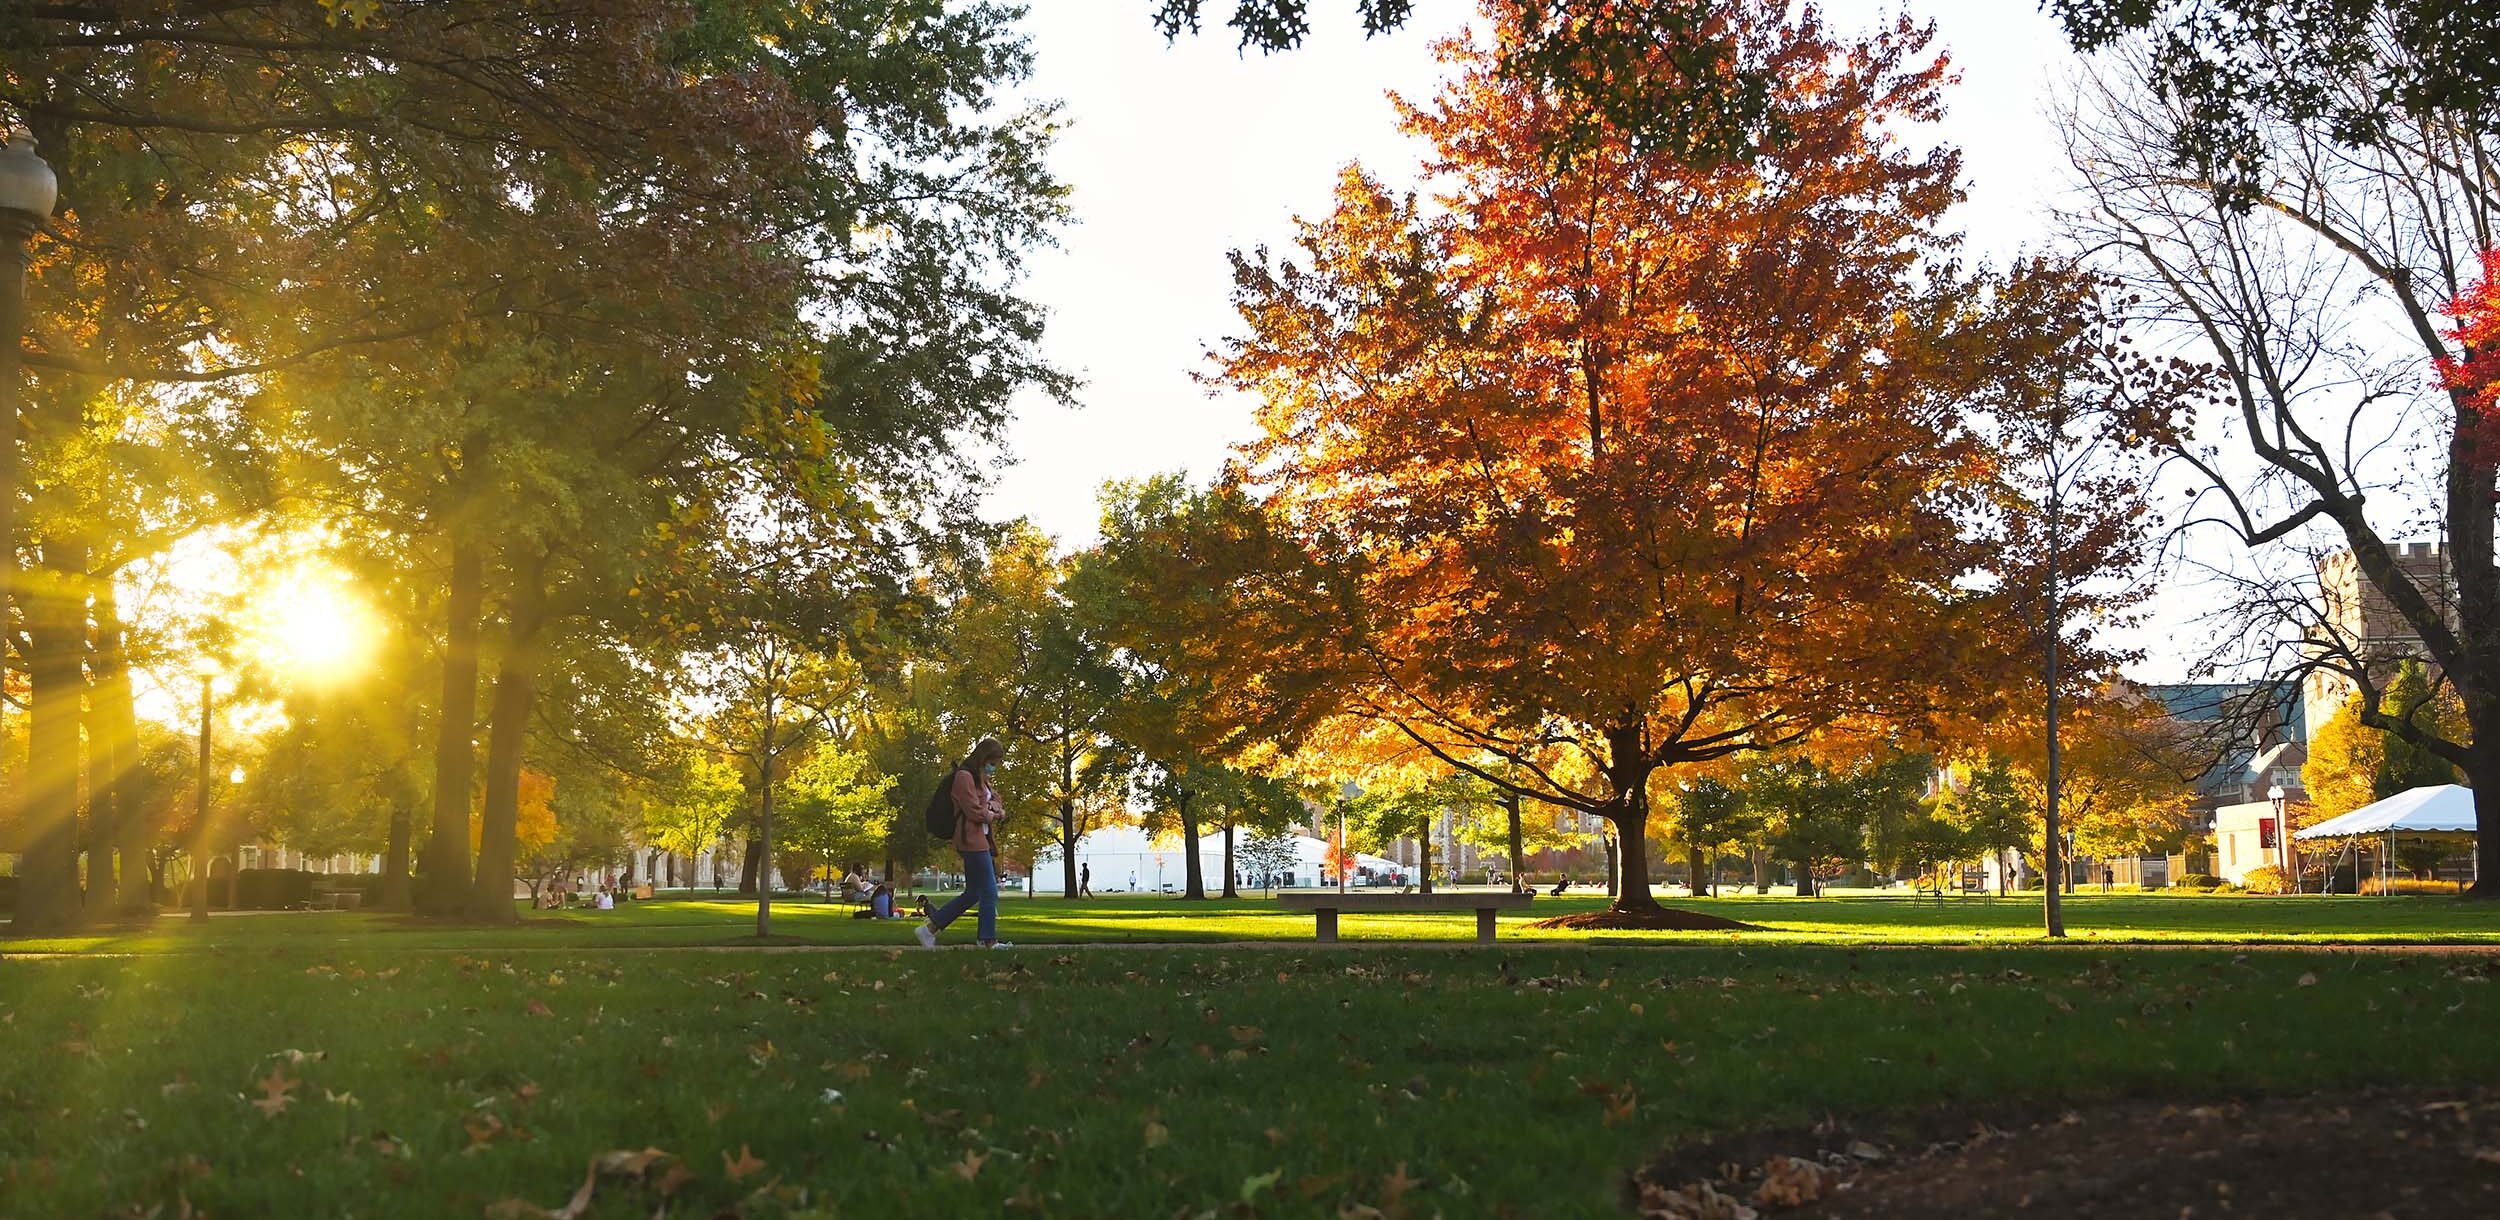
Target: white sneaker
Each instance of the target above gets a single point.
(1002, 944)
(927, 935)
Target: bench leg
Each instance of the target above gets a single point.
(1327, 927)
(1484, 925)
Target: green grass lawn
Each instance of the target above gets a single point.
(1837, 919)
(280, 1079)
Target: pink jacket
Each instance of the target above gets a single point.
(976, 806)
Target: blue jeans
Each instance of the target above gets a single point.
(981, 886)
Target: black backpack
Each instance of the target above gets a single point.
(940, 815)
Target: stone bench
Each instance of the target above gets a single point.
(1327, 903)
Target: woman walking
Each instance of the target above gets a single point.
(977, 814)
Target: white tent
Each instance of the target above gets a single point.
(2439, 809)
(1126, 859)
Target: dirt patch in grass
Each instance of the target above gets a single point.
(2393, 1153)
(1664, 919)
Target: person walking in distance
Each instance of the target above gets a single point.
(1084, 880)
(977, 814)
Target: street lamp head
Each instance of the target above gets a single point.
(1351, 790)
(2276, 794)
(27, 184)
(206, 666)
(235, 776)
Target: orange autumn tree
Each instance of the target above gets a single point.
(1642, 464)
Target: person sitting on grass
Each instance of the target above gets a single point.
(977, 813)
(881, 902)
(1560, 886)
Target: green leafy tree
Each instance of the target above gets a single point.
(1991, 810)
(2404, 763)
(690, 813)
(836, 806)
(1822, 815)
(1020, 656)
(1709, 816)
(1210, 641)
(2349, 68)
(1415, 810)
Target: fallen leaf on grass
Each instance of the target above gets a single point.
(625, 1163)
(523, 1209)
(739, 1169)
(969, 1167)
(274, 1089)
(482, 1129)
(2308, 980)
(1621, 1107)
(1157, 1135)
(1699, 1201)
(1395, 1186)
(1790, 1181)
(1251, 1186)
(538, 1009)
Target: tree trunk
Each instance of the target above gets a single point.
(2054, 916)
(103, 826)
(1518, 861)
(1230, 890)
(1194, 874)
(16, 230)
(395, 846)
(1805, 879)
(764, 821)
(2482, 770)
(56, 635)
(1067, 822)
(116, 721)
(750, 867)
(516, 693)
(1629, 871)
(394, 893)
(443, 877)
(1424, 878)
(1627, 854)
(1694, 880)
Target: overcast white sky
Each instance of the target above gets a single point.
(1177, 154)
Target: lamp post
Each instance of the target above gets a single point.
(1345, 796)
(2281, 801)
(207, 672)
(28, 189)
